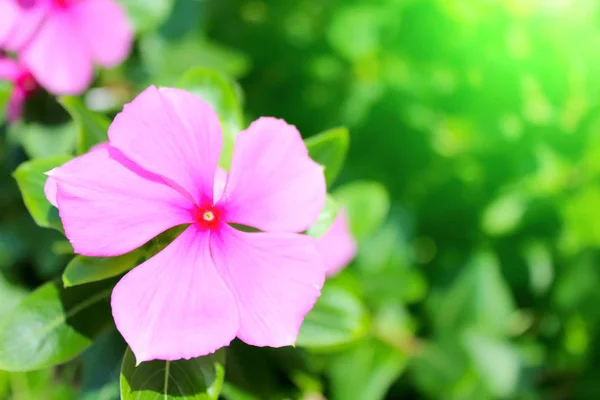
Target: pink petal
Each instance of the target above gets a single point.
(273, 184)
(276, 279)
(50, 190)
(174, 134)
(19, 23)
(105, 29)
(50, 187)
(9, 69)
(176, 305)
(15, 105)
(219, 185)
(337, 246)
(57, 57)
(108, 209)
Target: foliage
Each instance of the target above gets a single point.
(460, 136)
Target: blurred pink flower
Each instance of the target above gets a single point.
(337, 246)
(213, 282)
(59, 41)
(24, 85)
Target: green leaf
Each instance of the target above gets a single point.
(480, 297)
(326, 218)
(367, 204)
(101, 366)
(496, 361)
(147, 15)
(92, 127)
(231, 392)
(168, 59)
(5, 92)
(329, 149)
(196, 379)
(366, 371)
(225, 96)
(83, 269)
(337, 319)
(44, 141)
(31, 180)
(53, 325)
(10, 296)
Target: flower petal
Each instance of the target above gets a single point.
(19, 21)
(109, 209)
(273, 185)
(51, 187)
(174, 134)
(337, 246)
(9, 69)
(220, 181)
(15, 105)
(276, 279)
(176, 305)
(57, 57)
(105, 29)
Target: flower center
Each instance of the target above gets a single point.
(63, 3)
(26, 82)
(207, 217)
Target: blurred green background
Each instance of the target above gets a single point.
(481, 120)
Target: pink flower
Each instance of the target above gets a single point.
(60, 40)
(337, 246)
(213, 282)
(24, 85)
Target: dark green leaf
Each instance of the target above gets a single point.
(196, 379)
(83, 269)
(329, 149)
(366, 371)
(367, 204)
(31, 180)
(101, 366)
(326, 218)
(338, 318)
(53, 325)
(92, 127)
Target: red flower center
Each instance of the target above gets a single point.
(63, 3)
(207, 217)
(27, 83)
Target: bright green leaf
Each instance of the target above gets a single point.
(231, 392)
(83, 269)
(338, 318)
(326, 218)
(147, 15)
(31, 180)
(44, 141)
(196, 379)
(225, 96)
(366, 371)
(10, 296)
(92, 127)
(329, 149)
(5, 91)
(503, 215)
(496, 361)
(367, 204)
(53, 325)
